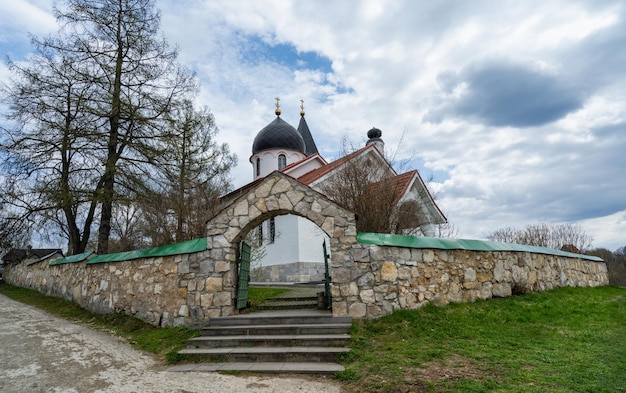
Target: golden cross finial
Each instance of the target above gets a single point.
(301, 107)
(277, 111)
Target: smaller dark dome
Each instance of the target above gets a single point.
(374, 133)
(278, 134)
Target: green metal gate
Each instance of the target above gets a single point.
(327, 279)
(244, 276)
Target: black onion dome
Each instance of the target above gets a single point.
(278, 134)
(374, 133)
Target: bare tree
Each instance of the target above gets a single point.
(195, 173)
(126, 228)
(134, 73)
(556, 236)
(87, 115)
(373, 191)
(14, 231)
(48, 162)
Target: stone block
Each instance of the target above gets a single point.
(283, 185)
(206, 300)
(350, 289)
(470, 275)
(501, 290)
(284, 203)
(357, 310)
(340, 309)
(404, 273)
(222, 266)
(213, 284)
(197, 313)
(340, 275)
(182, 292)
(183, 311)
(499, 271)
(367, 296)
(485, 291)
(389, 271)
(294, 196)
(381, 288)
(222, 299)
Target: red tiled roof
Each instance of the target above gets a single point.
(316, 174)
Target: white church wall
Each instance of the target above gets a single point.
(269, 161)
(311, 239)
(284, 249)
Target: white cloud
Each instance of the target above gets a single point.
(395, 63)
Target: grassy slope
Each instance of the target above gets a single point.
(567, 340)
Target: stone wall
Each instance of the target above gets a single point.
(174, 290)
(380, 279)
(369, 281)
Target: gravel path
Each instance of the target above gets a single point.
(43, 353)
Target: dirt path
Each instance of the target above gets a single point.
(43, 353)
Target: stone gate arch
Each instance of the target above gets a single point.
(277, 194)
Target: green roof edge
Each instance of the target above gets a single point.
(71, 259)
(381, 239)
(187, 247)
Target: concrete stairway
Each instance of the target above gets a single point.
(303, 341)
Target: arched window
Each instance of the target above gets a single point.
(282, 161)
(258, 166)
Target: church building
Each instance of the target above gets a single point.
(289, 248)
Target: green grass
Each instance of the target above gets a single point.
(164, 342)
(566, 340)
(258, 295)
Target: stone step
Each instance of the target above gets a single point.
(297, 317)
(291, 340)
(321, 328)
(295, 298)
(263, 367)
(266, 354)
(302, 341)
(288, 305)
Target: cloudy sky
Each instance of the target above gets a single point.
(515, 109)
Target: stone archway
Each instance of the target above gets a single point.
(277, 194)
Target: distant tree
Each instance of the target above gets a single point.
(14, 231)
(177, 204)
(126, 228)
(556, 236)
(615, 263)
(447, 230)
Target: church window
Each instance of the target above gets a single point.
(259, 235)
(258, 166)
(282, 161)
(272, 231)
